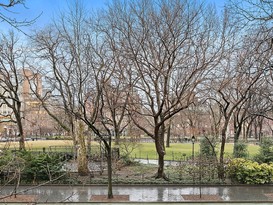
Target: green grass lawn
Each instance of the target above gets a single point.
(38, 145)
(176, 151)
(182, 150)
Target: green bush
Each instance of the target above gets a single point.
(42, 166)
(32, 168)
(240, 150)
(249, 172)
(127, 146)
(265, 154)
(207, 147)
(5, 159)
(11, 165)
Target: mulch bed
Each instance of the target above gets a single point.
(103, 198)
(19, 198)
(204, 197)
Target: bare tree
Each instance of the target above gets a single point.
(215, 117)
(257, 15)
(7, 15)
(231, 86)
(103, 93)
(85, 74)
(168, 52)
(11, 81)
(253, 10)
(256, 108)
(61, 49)
(49, 98)
(117, 90)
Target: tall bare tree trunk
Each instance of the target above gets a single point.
(21, 133)
(221, 171)
(117, 137)
(82, 154)
(160, 148)
(109, 172)
(22, 143)
(168, 135)
(109, 168)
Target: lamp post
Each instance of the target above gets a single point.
(193, 141)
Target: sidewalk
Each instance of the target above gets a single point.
(151, 194)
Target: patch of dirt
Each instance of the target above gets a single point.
(136, 171)
(103, 198)
(194, 197)
(19, 198)
(133, 172)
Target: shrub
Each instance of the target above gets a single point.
(5, 159)
(42, 166)
(265, 154)
(11, 166)
(31, 167)
(127, 146)
(240, 150)
(207, 147)
(249, 172)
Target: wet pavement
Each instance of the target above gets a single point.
(147, 193)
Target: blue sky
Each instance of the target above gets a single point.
(46, 10)
(50, 9)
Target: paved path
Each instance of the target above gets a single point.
(149, 193)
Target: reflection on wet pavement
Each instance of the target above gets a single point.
(138, 193)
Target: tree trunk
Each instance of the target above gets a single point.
(117, 137)
(22, 143)
(168, 136)
(249, 128)
(22, 136)
(82, 154)
(159, 143)
(235, 127)
(237, 133)
(236, 140)
(73, 134)
(244, 132)
(221, 173)
(260, 125)
(109, 170)
(89, 145)
(18, 118)
(75, 145)
(160, 170)
(256, 130)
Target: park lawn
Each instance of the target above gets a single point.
(176, 151)
(179, 151)
(49, 145)
(38, 145)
